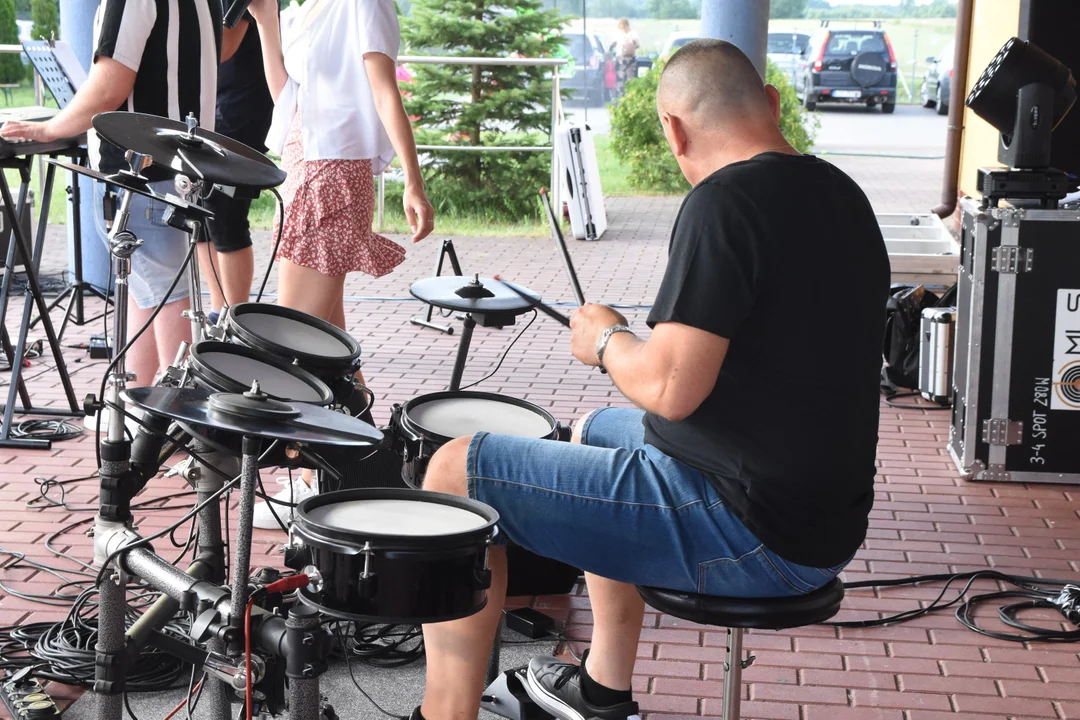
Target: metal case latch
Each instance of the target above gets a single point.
(1011, 259)
(1002, 431)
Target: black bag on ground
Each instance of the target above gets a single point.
(903, 314)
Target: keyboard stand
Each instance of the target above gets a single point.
(77, 290)
(15, 354)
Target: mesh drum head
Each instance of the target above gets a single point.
(275, 382)
(462, 416)
(294, 334)
(410, 518)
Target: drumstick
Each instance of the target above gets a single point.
(561, 242)
(542, 307)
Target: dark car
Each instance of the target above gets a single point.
(937, 82)
(847, 66)
(584, 74)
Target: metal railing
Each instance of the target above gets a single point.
(556, 113)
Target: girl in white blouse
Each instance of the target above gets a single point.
(338, 119)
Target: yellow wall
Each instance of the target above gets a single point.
(993, 23)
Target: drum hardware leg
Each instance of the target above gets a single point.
(307, 647)
(109, 674)
(445, 250)
(241, 548)
(462, 354)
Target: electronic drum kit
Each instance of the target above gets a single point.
(268, 386)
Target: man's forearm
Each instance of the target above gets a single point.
(78, 116)
(625, 361)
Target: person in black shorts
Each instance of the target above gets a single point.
(244, 111)
(747, 467)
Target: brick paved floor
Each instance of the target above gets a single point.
(926, 519)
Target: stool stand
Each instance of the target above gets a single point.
(733, 667)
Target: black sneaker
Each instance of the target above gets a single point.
(555, 686)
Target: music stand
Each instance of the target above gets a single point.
(59, 84)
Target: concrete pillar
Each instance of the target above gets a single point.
(77, 28)
(744, 23)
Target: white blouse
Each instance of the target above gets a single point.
(324, 57)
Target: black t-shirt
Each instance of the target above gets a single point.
(244, 104)
(782, 255)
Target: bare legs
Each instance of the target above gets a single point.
(457, 651)
(234, 269)
(157, 347)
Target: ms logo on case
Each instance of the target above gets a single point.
(1067, 352)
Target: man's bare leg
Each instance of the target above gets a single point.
(157, 347)
(618, 611)
(458, 651)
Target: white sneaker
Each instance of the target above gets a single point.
(292, 492)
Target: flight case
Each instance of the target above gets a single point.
(1016, 368)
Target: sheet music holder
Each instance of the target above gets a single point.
(48, 66)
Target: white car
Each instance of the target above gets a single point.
(784, 49)
(675, 41)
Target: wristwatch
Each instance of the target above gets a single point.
(601, 344)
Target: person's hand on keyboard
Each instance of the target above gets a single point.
(22, 131)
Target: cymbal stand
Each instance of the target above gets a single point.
(445, 251)
(191, 191)
(115, 473)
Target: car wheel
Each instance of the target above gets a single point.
(810, 105)
(925, 97)
(888, 108)
(942, 107)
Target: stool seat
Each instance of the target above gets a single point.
(758, 613)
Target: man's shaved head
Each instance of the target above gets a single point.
(709, 82)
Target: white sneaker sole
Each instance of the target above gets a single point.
(548, 702)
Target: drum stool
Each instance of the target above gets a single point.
(737, 614)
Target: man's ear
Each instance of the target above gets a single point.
(675, 132)
(774, 102)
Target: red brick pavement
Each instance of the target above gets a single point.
(925, 519)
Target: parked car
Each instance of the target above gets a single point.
(937, 82)
(847, 66)
(675, 41)
(584, 74)
(785, 49)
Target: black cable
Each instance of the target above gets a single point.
(343, 647)
(55, 430)
(505, 353)
(1036, 593)
(386, 646)
(277, 243)
(127, 706)
(213, 267)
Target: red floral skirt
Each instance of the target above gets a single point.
(329, 205)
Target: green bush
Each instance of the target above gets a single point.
(46, 17)
(637, 137)
(798, 126)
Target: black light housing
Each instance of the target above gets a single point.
(1024, 93)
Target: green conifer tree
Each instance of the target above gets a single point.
(11, 67)
(483, 105)
(46, 17)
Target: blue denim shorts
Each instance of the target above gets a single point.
(618, 508)
(156, 262)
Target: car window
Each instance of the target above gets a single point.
(787, 42)
(577, 47)
(853, 43)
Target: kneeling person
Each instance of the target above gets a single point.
(749, 469)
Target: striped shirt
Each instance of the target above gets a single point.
(174, 47)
